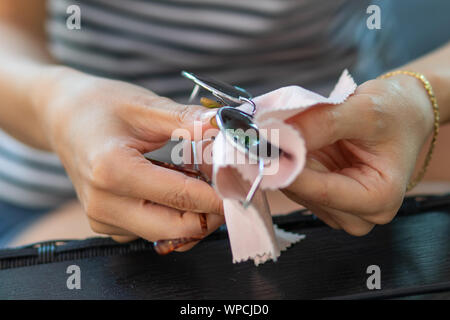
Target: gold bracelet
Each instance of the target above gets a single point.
(434, 103)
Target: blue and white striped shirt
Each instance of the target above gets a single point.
(257, 44)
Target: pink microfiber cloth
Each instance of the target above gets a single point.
(252, 234)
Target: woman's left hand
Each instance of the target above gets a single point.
(362, 153)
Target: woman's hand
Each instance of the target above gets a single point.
(362, 153)
(100, 129)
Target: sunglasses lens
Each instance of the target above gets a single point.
(236, 119)
(243, 133)
(226, 88)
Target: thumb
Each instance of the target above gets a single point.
(325, 124)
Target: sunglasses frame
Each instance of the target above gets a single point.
(222, 96)
(202, 82)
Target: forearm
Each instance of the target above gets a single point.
(24, 63)
(436, 67)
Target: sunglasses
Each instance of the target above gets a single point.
(239, 130)
(237, 126)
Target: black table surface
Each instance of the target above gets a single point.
(413, 253)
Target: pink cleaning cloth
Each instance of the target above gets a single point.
(251, 232)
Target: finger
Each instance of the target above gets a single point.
(165, 223)
(324, 216)
(127, 173)
(213, 223)
(124, 239)
(323, 125)
(331, 157)
(333, 190)
(162, 116)
(148, 220)
(321, 214)
(108, 229)
(352, 224)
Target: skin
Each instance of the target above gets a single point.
(358, 166)
(362, 153)
(100, 128)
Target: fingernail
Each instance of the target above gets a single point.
(213, 122)
(163, 247)
(209, 103)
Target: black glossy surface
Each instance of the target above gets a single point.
(412, 252)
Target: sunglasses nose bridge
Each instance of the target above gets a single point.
(249, 101)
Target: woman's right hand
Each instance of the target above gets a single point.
(100, 129)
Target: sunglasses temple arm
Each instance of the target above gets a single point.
(255, 185)
(194, 155)
(194, 93)
(220, 99)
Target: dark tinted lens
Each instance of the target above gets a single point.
(236, 119)
(240, 128)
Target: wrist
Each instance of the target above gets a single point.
(46, 93)
(417, 99)
(439, 83)
(439, 79)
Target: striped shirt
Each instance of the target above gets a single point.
(257, 44)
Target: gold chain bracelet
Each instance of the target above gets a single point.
(434, 103)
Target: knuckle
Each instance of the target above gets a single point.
(388, 197)
(183, 114)
(214, 206)
(93, 212)
(206, 201)
(180, 198)
(329, 117)
(96, 226)
(93, 208)
(358, 229)
(334, 226)
(387, 211)
(384, 195)
(324, 195)
(382, 217)
(376, 114)
(102, 173)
